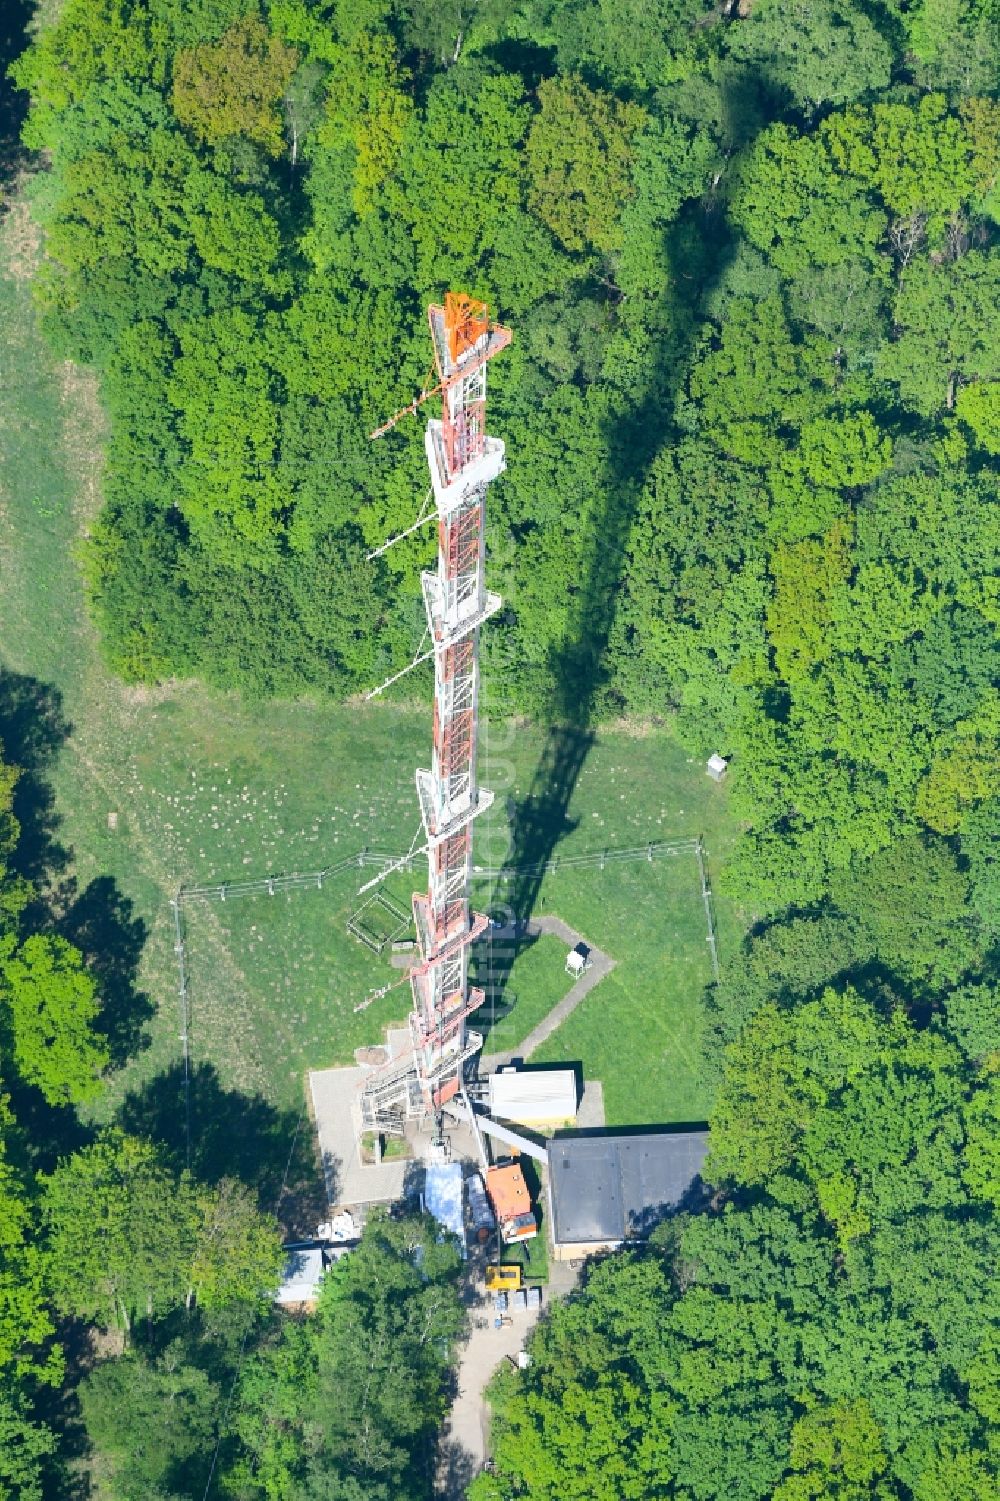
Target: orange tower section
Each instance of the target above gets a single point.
(463, 461)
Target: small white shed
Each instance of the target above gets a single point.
(716, 766)
(578, 961)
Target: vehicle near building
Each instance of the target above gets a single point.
(503, 1279)
(508, 1193)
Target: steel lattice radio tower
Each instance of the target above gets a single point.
(463, 461)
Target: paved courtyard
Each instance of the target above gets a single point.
(464, 1442)
(351, 1183)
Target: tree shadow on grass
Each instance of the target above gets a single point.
(45, 1133)
(15, 19)
(33, 729)
(101, 922)
(492, 960)
(232, 1135)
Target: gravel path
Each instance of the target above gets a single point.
(465, 1438)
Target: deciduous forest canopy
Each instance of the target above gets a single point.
(751, 255)
(752, 407)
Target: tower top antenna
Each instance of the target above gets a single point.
(459, 329)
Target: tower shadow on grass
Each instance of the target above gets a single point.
(697, 250)
(100, 920)
(233, 1135)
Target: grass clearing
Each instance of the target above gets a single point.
(639, 1030)
(531, 980)
(155, 788)
(294, 977)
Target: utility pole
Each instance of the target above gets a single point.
(463, 462)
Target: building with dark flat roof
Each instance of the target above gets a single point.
(605, 1190)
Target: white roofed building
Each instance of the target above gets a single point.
(535, 1096)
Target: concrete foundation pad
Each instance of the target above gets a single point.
(349, 1181)
(591, 1109)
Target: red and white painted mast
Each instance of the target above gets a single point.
(463, 461)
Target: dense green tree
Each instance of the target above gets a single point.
(441, 30)
(24, 1445)
(980, 841)
(836, 1451)
(949, 329)
(52, 1004)
(353, 1394)
(460, 168)
(956, 44)
(831, 1334)
(635, 45)
(238, 1256)
(828, 53)
(578, 158)
(554, 177)
(234, 87)
(122, 1232)
(799, 210)
(911, 906)
(128, 1238)
(26, 1324)
(973, 1019)
(48, 1007)
(791, 960)
(156, 1420)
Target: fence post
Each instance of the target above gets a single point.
(182, 995)
(706, 896)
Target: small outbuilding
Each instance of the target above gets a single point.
(508, 1193)
(534, 1097)
(306, 1263)
(716, 766)
(301, 1278)
(605, 1190)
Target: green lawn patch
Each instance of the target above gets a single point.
(640, 1030)
(530, 982)
(283, 1002)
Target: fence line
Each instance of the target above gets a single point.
(659, 850)
(296, 881)
(224, 891)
